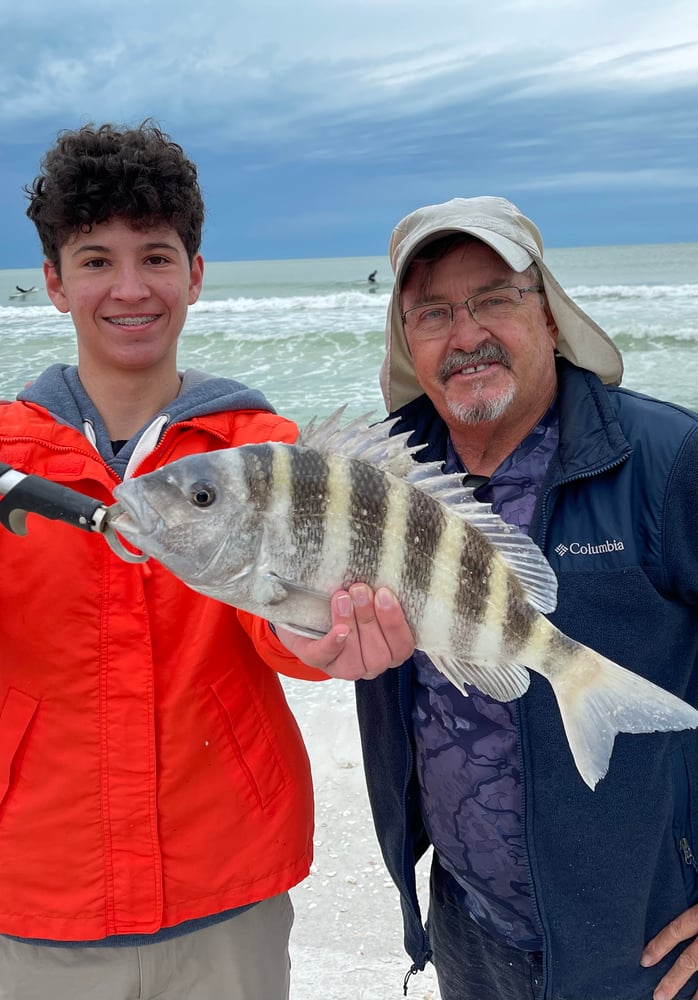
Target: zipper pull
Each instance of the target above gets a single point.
(688, 855)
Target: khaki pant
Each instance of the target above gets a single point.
(244, 958)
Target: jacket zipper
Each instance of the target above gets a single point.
(169, 429)
(426, 955)
(687, 854)
(529, 870)
(544, 520)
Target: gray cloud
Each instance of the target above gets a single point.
(307, 107)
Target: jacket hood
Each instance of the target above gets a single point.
(61, 392)
(499, 224)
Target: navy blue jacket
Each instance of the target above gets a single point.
(617, 520)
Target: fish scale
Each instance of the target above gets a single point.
(279, 528)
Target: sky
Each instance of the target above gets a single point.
(317, 125)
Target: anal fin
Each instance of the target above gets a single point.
(502, 681)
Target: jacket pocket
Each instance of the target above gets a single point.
(253, 741)
(683, 829)
(15, 716)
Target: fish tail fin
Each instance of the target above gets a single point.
(609, 700)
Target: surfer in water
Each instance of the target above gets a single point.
(20, 292)
(372, 277)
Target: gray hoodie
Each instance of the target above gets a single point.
(61, 392)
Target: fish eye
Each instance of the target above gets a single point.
(202, 493)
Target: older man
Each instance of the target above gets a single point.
(540, 888)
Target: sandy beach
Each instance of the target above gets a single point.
(347, 939)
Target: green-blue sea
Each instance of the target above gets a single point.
(310, 333)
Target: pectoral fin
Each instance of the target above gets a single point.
(307, 633)
(274, 590)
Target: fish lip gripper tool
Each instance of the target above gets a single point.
(22, 494)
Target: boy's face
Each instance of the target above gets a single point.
(128, 292)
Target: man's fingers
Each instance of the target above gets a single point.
(683, 928)
(685, 966)
(680, 929)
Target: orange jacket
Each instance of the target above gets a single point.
(151, 771)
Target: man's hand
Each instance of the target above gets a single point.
(682, 928)
(369, 634)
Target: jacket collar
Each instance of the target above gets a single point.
(591, 437)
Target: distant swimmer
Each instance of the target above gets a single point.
(21, 292)
(372, 276)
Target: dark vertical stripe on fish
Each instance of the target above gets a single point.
(520, 620)
(370, 490)
(423, 529)
(476, 559)
(258, 465)
(309, 497)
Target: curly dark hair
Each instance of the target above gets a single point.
(95, 174)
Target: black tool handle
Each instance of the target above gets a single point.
(22, 494)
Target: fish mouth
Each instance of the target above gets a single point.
(134, 522)
(140, 522)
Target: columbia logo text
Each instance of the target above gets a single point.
(590, 548)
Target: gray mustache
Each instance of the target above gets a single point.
(463, 359)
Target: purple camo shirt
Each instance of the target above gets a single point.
(467, 748)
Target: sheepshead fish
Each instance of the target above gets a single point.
(276, 529)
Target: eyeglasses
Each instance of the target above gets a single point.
(434, 319)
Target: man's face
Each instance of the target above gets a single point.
(501, 374)
(128, 291)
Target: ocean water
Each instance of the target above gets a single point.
(310, 333)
